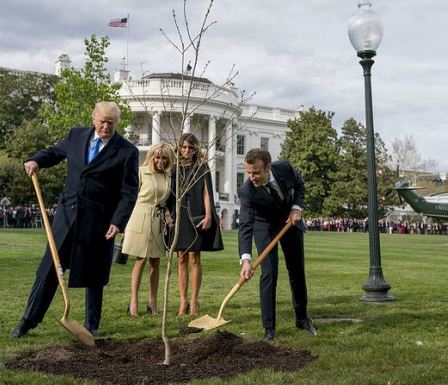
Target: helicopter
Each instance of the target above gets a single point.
(434, 205)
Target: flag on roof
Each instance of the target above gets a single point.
(118, 22)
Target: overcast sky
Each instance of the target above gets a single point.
(290, 52)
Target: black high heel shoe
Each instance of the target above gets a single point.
(150, 310)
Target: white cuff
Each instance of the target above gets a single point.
(245, 256)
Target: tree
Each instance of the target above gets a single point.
(21, 97)
(311, 146)
(79, 90)
(349, 190)
(24, 141)
(406, 156)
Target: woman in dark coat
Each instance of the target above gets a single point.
(199, 229)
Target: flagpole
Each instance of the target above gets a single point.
(127, 46)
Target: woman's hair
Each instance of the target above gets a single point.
(163, 150)
(198, 156)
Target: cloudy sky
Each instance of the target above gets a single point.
(290, 52)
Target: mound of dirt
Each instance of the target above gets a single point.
(130, 362)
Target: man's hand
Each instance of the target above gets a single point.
(112, 232)
(246, 270)
(295, 216)
(31, 167)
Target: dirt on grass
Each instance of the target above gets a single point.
(129, 362)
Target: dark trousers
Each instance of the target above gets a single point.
(292, 246)
(42, 293)
(44, 289)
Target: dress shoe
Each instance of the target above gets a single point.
(269, 334)
(21, 329)
(306, 325)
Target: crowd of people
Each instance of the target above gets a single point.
(384, 226)
(23, 217)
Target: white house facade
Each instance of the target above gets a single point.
(225, 127)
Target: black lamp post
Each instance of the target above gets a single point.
(365, 31)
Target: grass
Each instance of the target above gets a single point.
(400, 342)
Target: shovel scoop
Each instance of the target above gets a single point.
(207, 322)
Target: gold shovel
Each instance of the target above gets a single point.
(74, 327)
(206, 322)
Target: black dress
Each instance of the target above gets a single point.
(192, 210)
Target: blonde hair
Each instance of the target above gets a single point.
(162, 149)
(107, 108)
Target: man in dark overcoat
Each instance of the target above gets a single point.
(97, 200)
(272, 195)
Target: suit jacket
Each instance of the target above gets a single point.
(260, 215)
(95, 196)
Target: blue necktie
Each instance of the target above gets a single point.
(94, 149)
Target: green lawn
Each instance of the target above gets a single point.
(400, 342)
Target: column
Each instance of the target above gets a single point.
(212, 151)
(156, 127)
(187, 123)
(228, 161)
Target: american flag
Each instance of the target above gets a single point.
(118, 22)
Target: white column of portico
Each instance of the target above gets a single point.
(187, 124)
(212, 151)
(228, 161)
(156, 127)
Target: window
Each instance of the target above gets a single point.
(239, 179)
(264, 143)
(240, 144)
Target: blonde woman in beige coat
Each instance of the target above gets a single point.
(143, 236)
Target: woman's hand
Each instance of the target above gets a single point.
(205, 224)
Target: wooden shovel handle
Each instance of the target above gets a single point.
(257, 262)
(52, 244)
(271, 245)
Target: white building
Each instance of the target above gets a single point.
(225, 127)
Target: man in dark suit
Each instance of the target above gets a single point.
(272, 195)
(100, 191)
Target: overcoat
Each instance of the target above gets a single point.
(144, 232)
(193, 179)
(94, 196)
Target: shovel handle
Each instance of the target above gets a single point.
(257, 262)
(271, 245)
(52, 244)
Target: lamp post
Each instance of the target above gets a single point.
(365, 31)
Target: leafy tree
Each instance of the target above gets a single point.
(24, 141)
(349, 190)
(21, 97)
(311, 146)
(79, 90)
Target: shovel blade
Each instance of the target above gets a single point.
(207, 323)
(80, 332)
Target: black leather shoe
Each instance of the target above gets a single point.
(21, 329)
(306, 325)
(269, 334)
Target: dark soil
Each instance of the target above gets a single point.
(126, 362)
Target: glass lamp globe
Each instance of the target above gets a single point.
(365, 28)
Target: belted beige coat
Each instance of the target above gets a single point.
(143, 236)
